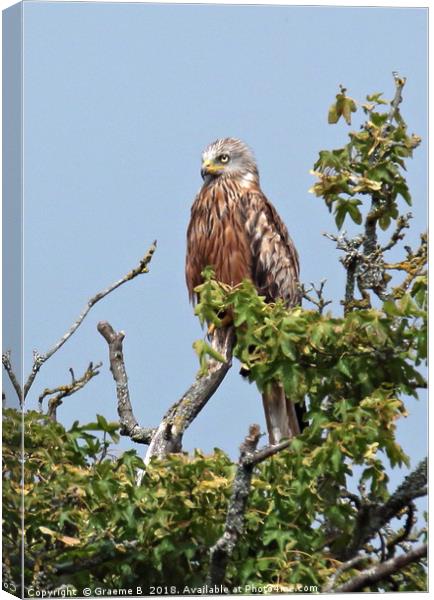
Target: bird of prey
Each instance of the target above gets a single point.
(237, 231)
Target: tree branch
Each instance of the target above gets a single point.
(168, 436)
(222, 550)
(6, 360)
(394, 105)
(331, 582)
(352, 262)
(403, 222)
(62, 391)
(40, 359)
(129, 424)
(259, 456)
(371, 517)
(403, 536)
(377, 205)
(319, 301)
(381, 570)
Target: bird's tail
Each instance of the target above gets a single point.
(283, 417)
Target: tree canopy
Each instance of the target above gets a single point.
(315, 513)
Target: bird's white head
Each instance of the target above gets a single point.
(228, 157)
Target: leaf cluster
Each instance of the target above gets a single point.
(88, 524)
(372, 163)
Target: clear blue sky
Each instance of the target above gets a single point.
(119, 101)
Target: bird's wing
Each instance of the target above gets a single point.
(275, 267)
(195, 250)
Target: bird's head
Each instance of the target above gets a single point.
(228, 157)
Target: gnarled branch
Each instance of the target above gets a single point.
(62, 391)
(6, 360)
(222, 550)
(168, 436)
(129, 424)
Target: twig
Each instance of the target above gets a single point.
(414, 265)
(381, 570)
(319, 302)
(62, 391)
(261, 455)
(168, 436)
(6, 360)
(401, 223)
(40, 359)
(222, 550)
(129, 424)
(394, 105)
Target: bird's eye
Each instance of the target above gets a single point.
(224, 158)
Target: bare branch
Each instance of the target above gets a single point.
(260, 455)
(222, 550)
(372, 517)
(319, 301)
(403, 222)
(331, 582)
(168, 436)
(62, 391)
(381, 570)
(394, 105)
(6, 360)
(129, 424)
(39, 359)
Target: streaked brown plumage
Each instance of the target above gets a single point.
(237, 231)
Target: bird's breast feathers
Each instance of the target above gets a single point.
(237, 231)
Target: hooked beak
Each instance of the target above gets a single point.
(209, 168)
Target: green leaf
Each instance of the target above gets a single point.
(102, 422)
(336, 458)
(354, 212)
(402, 189)
(384, 222)
(333, 115)
(349, 106)
(376, 98)
(344, 368)
(340, 214)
